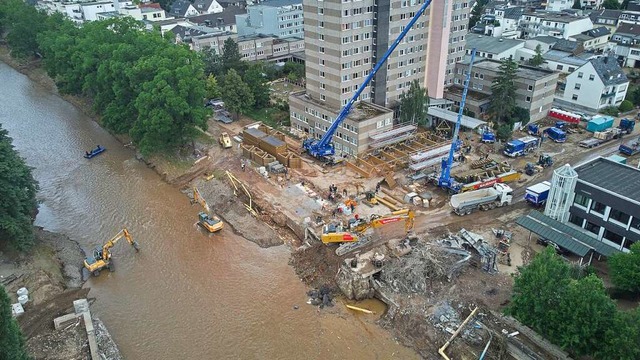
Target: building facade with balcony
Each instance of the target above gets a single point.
(553, 24)
(597, 84)
(280, 18)
(607, 202)
(535, 88)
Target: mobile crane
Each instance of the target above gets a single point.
(355, 238)
(101, 258)
(211, 223)
(323, 148)
(446, 181)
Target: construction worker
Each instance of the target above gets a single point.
(242, 165)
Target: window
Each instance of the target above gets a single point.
(559, 67)
(379, 124)
(322, 97)
(628, 243)
(613, 237)
(591, 227)
(581, 200)
(530, 88)
(321, 37)
(577, 87)
(321, 49)
(619, 216)
(598, 207)
(321, 74)
(323, 86)
(528, 99)
(591, 77)
(580, 75)
(635, 223)
(576, 220)
(574, 97)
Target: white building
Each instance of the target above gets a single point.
(489, 47)
(556, 25)
(207, 6)
(626, 44)
(597, 84)
(559, 5)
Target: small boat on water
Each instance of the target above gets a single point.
(98, 150)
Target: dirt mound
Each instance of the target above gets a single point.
(220, 198)
(38, 318)
(316, 265)
(69, 254)
(65, 344)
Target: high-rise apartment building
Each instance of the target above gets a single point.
(343, 41)
(447, 39)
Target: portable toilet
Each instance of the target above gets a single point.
(600, 123)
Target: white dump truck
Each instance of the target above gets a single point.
(483, 199)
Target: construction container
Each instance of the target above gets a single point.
(247, 150)
(284, 160)
(294, 161)
(267, 159)
(252, 136)
(599, 123)
(618, 159)
(257, 155)
(273, 145)
(278, 135)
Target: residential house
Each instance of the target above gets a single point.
(527, 52)
(558, 5)
(90, 10)
(626, 44)
(564, 62)
(153, 13)
(562, 25)
(535, 88)
(272, 17)
(224, 21)
(238, 3)
(596, 39)
(606, 17)
(591, 4)
(183, 8)
(606, 203)
(597, 84)
(502, 22)
(207, 6)
(489, 47)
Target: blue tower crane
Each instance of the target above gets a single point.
(324, 147)
(445, 181)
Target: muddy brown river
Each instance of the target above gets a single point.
(186, 295)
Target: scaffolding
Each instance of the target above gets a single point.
(561, 193)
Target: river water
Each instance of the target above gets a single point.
(185, 295)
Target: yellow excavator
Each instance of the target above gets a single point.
(101, 258)
(211, 223)
(336, 235)
(225, 141)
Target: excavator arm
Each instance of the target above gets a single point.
(124, 233)
(396, 216)
(197, 198)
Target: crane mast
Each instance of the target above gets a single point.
(445, 174)
(324, 147)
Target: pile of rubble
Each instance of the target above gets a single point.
(320, 297)
(465, 239)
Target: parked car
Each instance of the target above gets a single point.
(559, 249)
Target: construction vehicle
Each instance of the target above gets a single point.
(483, 199)
(101, 258)
(601, 137)
(488, 137)
(376, 221)
(323, 147)
(521, 147)
(225, 141)
(445, 180)
(556, 134)
(371, 197)
(533, 129)
(211, 223)
(531, 168)
(630, 147)
(537, 194)
(545, 160)
(627, 125)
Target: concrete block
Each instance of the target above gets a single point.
(17, 309)
(88, 323)
(64, 320)
(81, 305)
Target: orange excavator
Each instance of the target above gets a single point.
(101, 258)
(354, 237)
(211, 223)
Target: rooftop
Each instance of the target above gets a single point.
(628, 29)
(564, 57)
(226, 17)
(491, 44)
(280, 3)
(612, 176)
(450, 116)
(609, 70)
(524, 72)
(545, 39)
(360, 111)
(605, 14)
(513, 13)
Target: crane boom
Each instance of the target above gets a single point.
(445, 173)
(324, 146)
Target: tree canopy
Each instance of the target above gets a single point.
(236, 94)
(413, 104)
(624, 269)
(17, 196)
(611, 4)
(257, 82)
(503, 91)
(11, 340)
(537, 59)
(139, 82)
(572, 311)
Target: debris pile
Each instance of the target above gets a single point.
(466, 239)
(447, 319)
(320, 297)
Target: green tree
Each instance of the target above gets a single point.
(236, 94)
(537, 59)
(624, 269)
(622, 339)
(625, 106)
(504, 132)
(17, 196)
(633, 95)
(254, 77)
(521, 115)
(477, 12)
(293, 70)
(212, 62)
(503, 101)
(231, 58)
(413, 104)
(24, 24)
(212, 87)
(577, 5)
(611, 4)
(11, 340)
